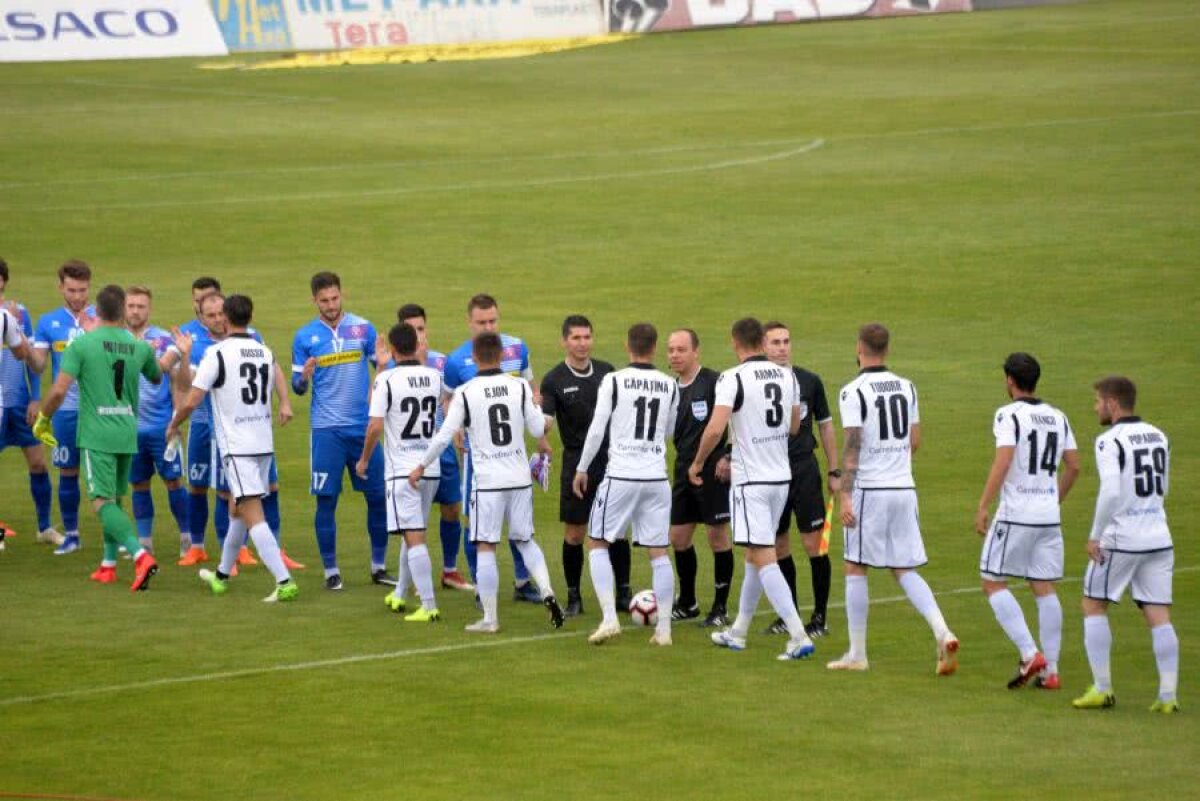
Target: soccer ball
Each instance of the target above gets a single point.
(643, 609)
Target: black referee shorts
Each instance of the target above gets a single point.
(708, 504)
(806, 499)
(571, 509)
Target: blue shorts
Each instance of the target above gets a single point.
(449, 491)
(202, 458)
(64, 425)
(14, 431)
(149, 459)
(336, 450)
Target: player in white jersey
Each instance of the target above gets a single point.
(636, 408)
(493, 408)
(13, 338)
(404, 404)
(879, 497)
(238, 372)
(760, 402)
(1035, 466)
(1130, 543)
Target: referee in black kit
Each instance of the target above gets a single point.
(805, 499)
(569, 398)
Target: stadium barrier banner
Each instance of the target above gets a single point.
(351, 24)
(644, 16)
(68, 30)
(253, 24)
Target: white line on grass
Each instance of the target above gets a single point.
(472, 186)
(402, 654)
(580, 155)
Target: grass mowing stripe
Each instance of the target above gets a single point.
(402, 654)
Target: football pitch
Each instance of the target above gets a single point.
(981, 183)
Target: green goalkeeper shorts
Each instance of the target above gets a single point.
(107, 474)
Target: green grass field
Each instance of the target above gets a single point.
(982, 183)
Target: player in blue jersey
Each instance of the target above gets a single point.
(483, 316)
(334, 353)
(155, 408)
(22, 396)
(55, 330)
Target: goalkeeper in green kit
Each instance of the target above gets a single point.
(106, 363)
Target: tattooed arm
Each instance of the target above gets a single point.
(849, 473)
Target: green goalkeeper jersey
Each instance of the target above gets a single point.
(106, 364)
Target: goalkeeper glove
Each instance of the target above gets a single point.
(43, 431)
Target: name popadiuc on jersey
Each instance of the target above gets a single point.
(1136, 457)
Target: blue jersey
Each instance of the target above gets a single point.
(155, 405)
(21, 384)
(459, 367)
(341, 382)
(55, 330)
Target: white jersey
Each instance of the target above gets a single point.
(10, 337)
(238, 374)
(884, 406)
(1133, 459)
(406, 398)
(493, 408)
(636, 406)
(762, 395)
(1040, 435)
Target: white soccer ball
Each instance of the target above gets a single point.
(643, 609)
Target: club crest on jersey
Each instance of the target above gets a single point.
(700, 410)
(314, 339)
(356, 332)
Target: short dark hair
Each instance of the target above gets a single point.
(875, 338)
(206, 282)
(4, 270)
(239, 310)
(76, 270)
(773, 325)
(1118, 388)
(692, 335)
(486, 348)
(408, 311)
(1024, 371)
(748, 332)
(642, 339)
(110, 304)
(403, 338)
(575, 321)
(324, 280)
(481, 301)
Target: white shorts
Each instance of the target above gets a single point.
(247, 476)
(887, 533)
(408, 508)
(754, 512)
(644, 506)
(1016, 550)
(1149, 572)
(490, 509)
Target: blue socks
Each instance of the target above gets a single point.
(143, 513)
(520, 572)
(271, 512)
(221, 518)
(471, 552)
(451, 531)
(178, 499)
(40, 489)
(68, 502)
(377, 528)
(325, 523)
(197, 517)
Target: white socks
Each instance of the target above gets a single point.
(602, 580)
(420, 569)
(1012, 620)
(535, 562)
(856, 615)
(748, 601)
(663, 579)
(268, 551)
(1050, 624)
(780, 596)
(1097, 637)
(404, 578)
(1166, 653)
(922, 599)
(488, 583)
(235, 538)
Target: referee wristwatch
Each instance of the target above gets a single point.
(835, 473)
